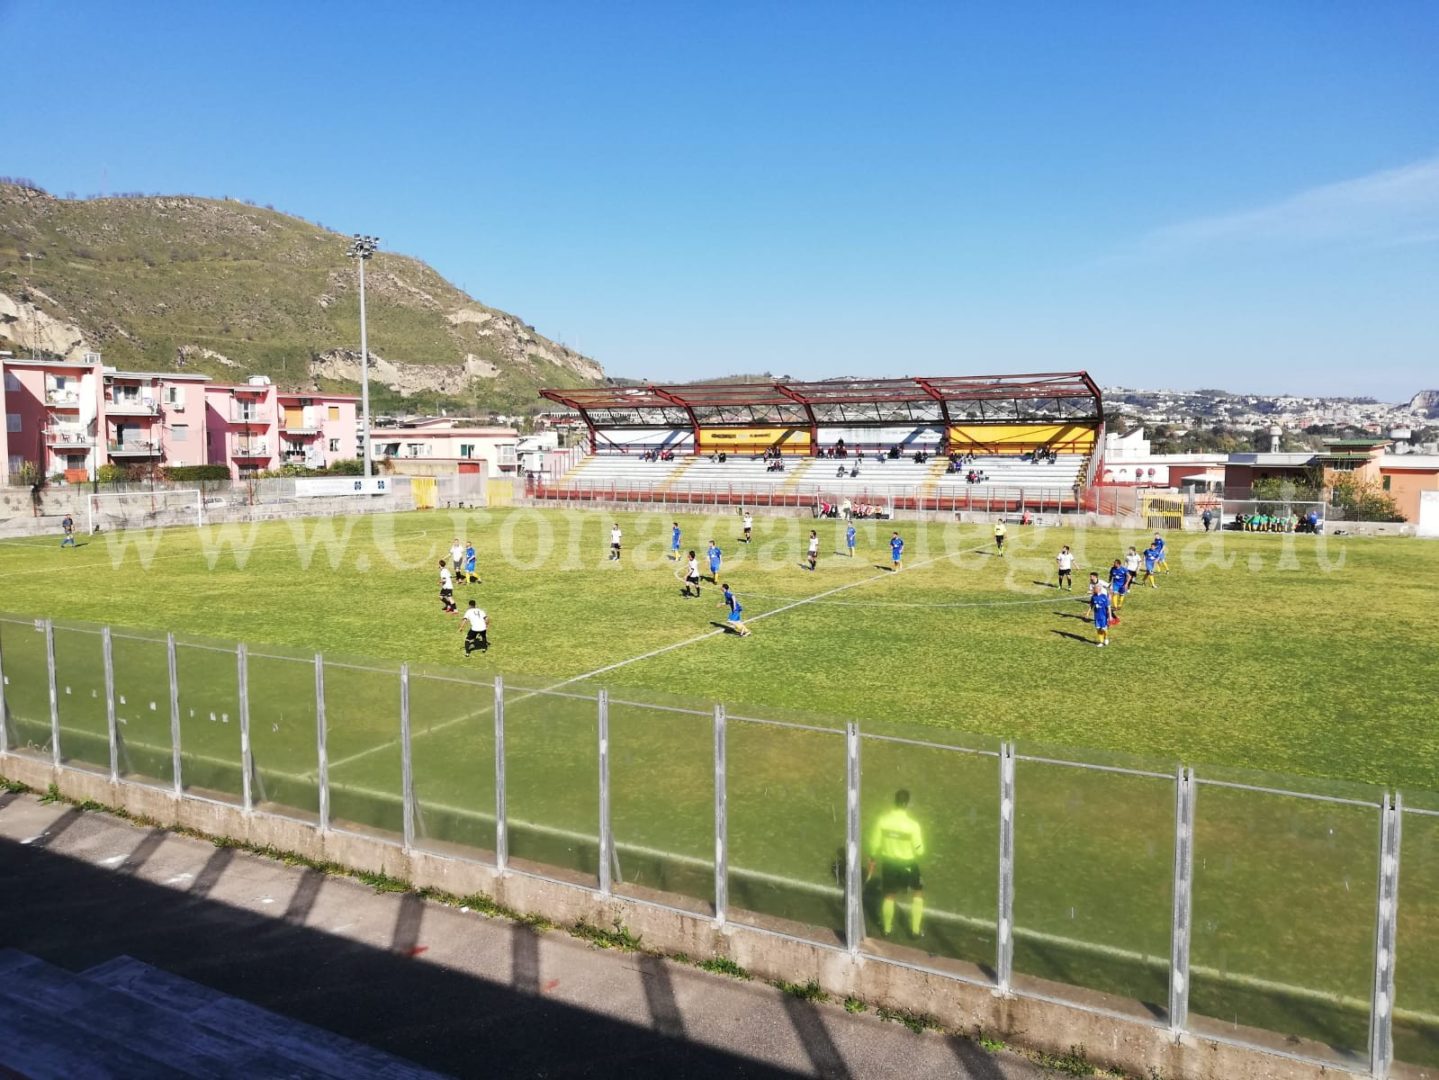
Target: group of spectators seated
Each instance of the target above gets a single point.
(853, 470)
(718, 457)
(1279, 523)
(849, 511)
(973, 476)
(776, 464)
(658, 455)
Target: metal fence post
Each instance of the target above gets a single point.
(1381, 1011)
(721, 821)
(54, 696)
(502, 833)
(4, 717)
(1004, 926)
(322, 754)
(607, 839)
(174, 711)
(1185, 791)
(853, 885)
(242, 682)
(407, 771)
(112, 731)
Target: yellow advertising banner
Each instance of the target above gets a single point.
(1017, 438)
(791, 440)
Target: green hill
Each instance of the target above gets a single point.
(227, 289)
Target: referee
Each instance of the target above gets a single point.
(896, 844)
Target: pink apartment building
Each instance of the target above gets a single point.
(253, 428)
(68, 418)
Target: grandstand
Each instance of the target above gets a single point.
(994, 442)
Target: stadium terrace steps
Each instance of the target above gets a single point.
(126, 1019)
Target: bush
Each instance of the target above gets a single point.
(110, 473)
(1363, 500)
(197, 472)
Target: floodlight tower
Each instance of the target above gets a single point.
(361, 249)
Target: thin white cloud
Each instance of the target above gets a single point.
(1393, 207)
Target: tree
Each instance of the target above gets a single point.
(1362, 500)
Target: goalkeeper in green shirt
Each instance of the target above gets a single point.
(896, 844)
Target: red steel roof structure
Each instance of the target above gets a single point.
(1067, 396)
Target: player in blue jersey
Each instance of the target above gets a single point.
(1118, 589)
(1151, 559)
(714, 555)
(849, 538)
(735, 612)
(1099, 607)
(675, 541)
(896, 552)
(471, 576)
(1161, 563)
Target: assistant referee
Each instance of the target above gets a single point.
(897, 845)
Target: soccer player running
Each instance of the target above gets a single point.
(999, 531)
(67, 526)
(714, 555)
(471, 576)
(1160, 562)
(1065, 561)
(849, 538)
(477, 629)
(748, 525)
(692, 577)
(447, 589)
(736, 611)
(1099, 608)
(675, 541)
(813, 550)
(615, 539)
(896, 553)
(897, 844)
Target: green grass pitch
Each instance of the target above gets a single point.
(1284, 654)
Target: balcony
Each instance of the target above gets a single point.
(136, 448)
(247, 416)
(62, 399)
(301, 431)
(123, 406)
(249, 448)
(68, 436)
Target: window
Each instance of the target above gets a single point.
(1386, 483)
(12, 381)
(12, 421)
(180, 432)
(334, 446)
(306, 402)
(467, 450)
(507, 453)
(334, 412)
(175, 396)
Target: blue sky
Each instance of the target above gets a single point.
(1225, 194)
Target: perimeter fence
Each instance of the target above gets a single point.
(1251, 909)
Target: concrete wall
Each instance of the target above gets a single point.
(1138, 1046)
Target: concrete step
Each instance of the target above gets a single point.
(163, 1037)
(321, 1052)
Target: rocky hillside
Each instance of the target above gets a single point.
(228, 289)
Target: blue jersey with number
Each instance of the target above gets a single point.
(470, 559)
(714, 554)
(896, 549)
(1100, 604)
(1158, 546)
(675, 538)
(1150, 558)
(1119, 579)
(734, 606)
(849, 536)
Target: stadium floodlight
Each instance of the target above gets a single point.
(361, 249)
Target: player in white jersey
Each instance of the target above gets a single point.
(692, 576)
(1131, 563)
(615, 537)
(447, 589)
(748, 525)
(813, 549)
(457, 556)
(1065, 561)
(477, 629)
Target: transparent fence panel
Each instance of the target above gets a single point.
(283, 746)
(362, 735)
(452, 735)
(1416, 971)
(209, 720)
(1093, 884)
(80, 691)
(955, 799)
(552, 787)
(1283, 921)
(27, 688)
(662, 803)
(142, 707)
(787, 801)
